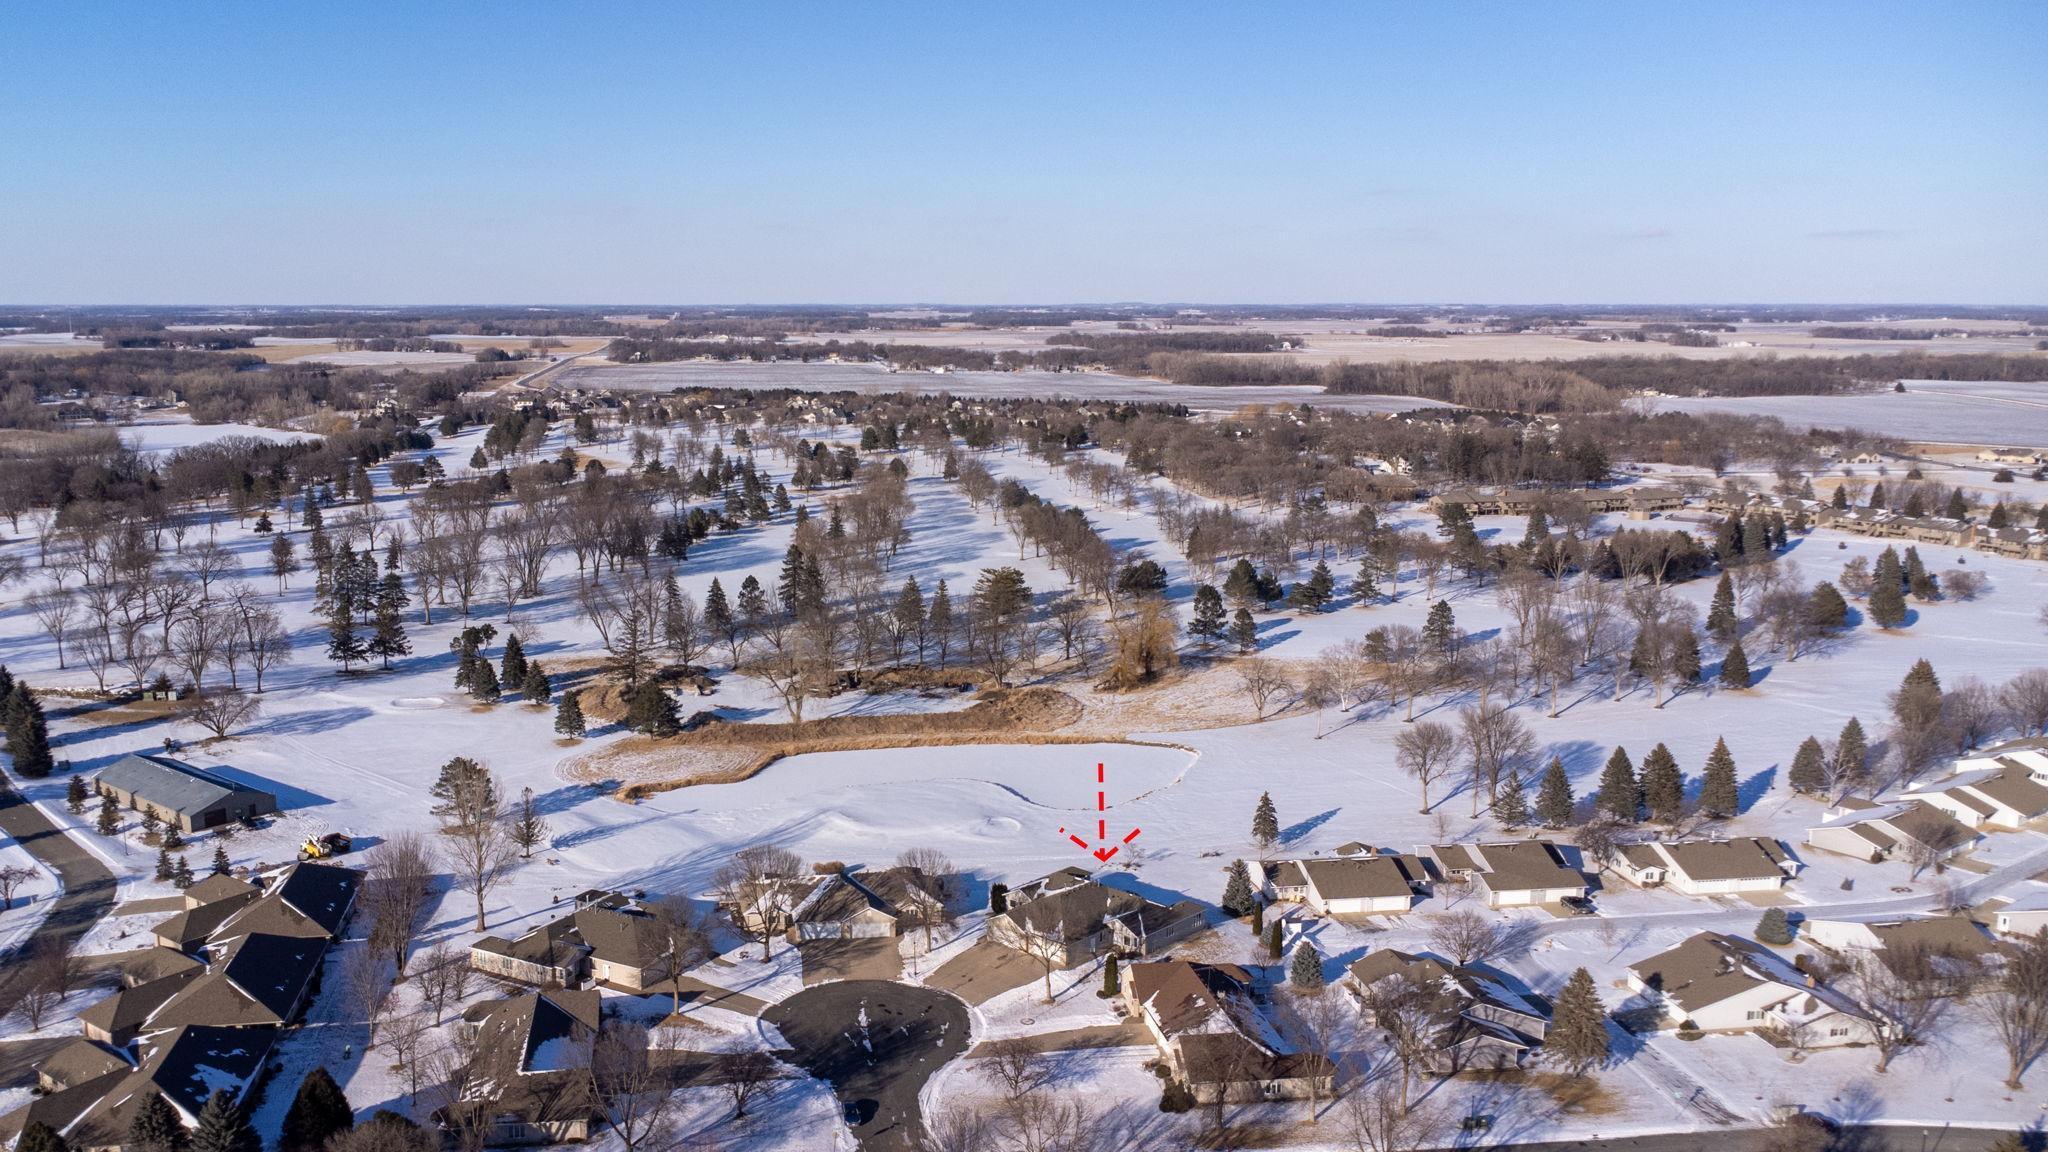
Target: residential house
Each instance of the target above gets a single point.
(1509, 873)
(2001, 793)
(1923, 948)
(78, 1062)
(191, 799)
(120, 1018)
(1208, 1027)
(185, 1065)
(1709, 867)
(853, 904)
(2024, 915)
(1486, 1024)
(310, 900)
(1719, 983)
(1355, 885)
(1067, 924)
(529, 1084)
(1910, 829)
(607, 940)
(257, 980)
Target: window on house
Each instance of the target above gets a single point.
(1755, 1015)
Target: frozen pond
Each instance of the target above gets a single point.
(1054, 776)
(168, 436)
(1936, 411)
(822, 377)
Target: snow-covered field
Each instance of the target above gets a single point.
(1936, 411)
(357, 753)
(365, 359)
(167, 435)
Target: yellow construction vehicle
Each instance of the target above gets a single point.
(332, 844)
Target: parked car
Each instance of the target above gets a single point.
(1579, 905)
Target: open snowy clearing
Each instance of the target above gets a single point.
(1931, 411)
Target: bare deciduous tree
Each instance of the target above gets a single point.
(1262, 679)
(1466, 936)
(751, 885)
(221, 711)
(1427, 751)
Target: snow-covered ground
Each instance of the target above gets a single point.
(357, 753)
(160, 436)
(1937, 411)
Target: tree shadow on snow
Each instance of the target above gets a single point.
(1296, 831)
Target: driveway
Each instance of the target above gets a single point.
(876, 959)
(985, 970)
(877, 1043)
(88, 888)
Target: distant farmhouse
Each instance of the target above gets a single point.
(190, 799)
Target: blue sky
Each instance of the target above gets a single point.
(688, 153)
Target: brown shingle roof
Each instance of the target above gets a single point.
(1748, 858)
(1379, 876)
(1184, 996)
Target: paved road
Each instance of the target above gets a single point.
(877, 1042)
(88, 887)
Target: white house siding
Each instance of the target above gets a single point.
(1523, 898)
(1842, 841)
(2022, 923)
(1363, 905)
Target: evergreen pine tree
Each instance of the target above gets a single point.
(75, 794)
(1685, 655)
(569, 715)
(156, 1127)
(1366, 586)
(221, 865)
(1109, 977)
(1244, 631)
(1242, 585)
(1207, 622)
(1275, 940)
(1887, 591)
(718, 618)
(1852, 751)
(1440, 629)
(1957, 508)
(223, 1127)
(1840, 500)
(165, 869)
(1511, 807)
(1305, 971)
(319, 1110)
(1265, 823)
(1620, 796)
(1554, 799)
(939, 620)
(32, 757)
(1322, 586)
(37, 1136)
(387, 633)
(173, 838)
(652, 711)
(181, 874)
(344, 643)
(1258, 917)
(1722, 622)
(908, 616)
(109, 820)
(483, 683)
(1237, 891)
(534, 685)
(1537, 533)
(1578, 1029)
(1774, 927)
(1809, 773)
(1663, 786)
(1825, 607)
(1735, 667)
(1718, 794)
(512, 665)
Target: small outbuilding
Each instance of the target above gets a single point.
(190, 799)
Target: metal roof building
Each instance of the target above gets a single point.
(177, 793)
